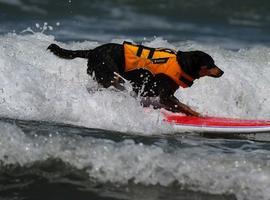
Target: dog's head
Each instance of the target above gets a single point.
(200, 64)
(207, 65)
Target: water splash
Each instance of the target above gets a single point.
(38, 85)
(204, 165)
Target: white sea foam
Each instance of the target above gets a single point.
(243, 91)
(35, 84)
(198, 167)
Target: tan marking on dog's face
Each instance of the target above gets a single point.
(213, 72)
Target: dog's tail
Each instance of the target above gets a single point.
(69, 54)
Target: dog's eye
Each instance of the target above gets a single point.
(204, 67)
(210, 66)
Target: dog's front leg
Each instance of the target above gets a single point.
(173, 104)
(118, 84)
(187, 110)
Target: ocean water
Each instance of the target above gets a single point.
(63, 137)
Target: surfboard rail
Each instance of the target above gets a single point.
(216, 124)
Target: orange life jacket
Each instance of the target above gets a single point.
(156, 61)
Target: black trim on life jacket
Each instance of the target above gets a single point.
(151, 53)
(166, 50)
(140, 50)
(152, 50)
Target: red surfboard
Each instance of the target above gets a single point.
(216, 124)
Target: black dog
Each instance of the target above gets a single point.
(108, 63)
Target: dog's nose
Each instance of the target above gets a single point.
(216, 73)
(220, 73)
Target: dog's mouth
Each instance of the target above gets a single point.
(217, 75)
(216, 72)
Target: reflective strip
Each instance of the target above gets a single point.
(159, 60)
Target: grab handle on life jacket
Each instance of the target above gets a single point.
(140, 51)
(151, 50)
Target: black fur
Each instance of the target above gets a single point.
(107, 59)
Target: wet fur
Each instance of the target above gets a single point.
(105, 60)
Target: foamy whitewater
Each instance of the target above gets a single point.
(36, 85)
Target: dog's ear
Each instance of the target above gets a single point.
(196, 55)
(196, 62)
(189, 62)
(203, 59)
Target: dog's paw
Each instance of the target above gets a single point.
(53, 47)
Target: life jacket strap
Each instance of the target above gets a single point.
(139, 52)
(167, 50)
(151, 53)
